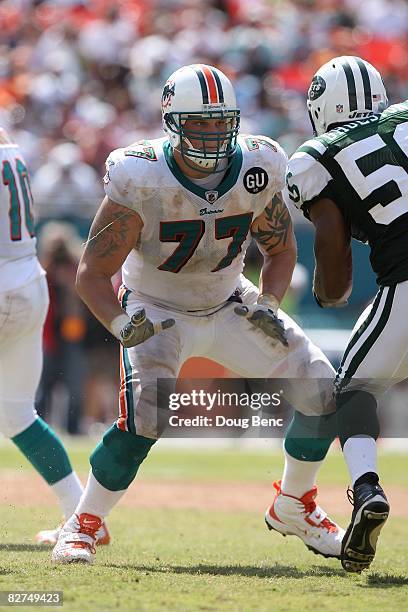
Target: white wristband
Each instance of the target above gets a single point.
(339, 304)
(118, 324)
(269, 300)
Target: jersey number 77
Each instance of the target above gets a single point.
(189, 233)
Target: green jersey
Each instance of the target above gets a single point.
(363, 167)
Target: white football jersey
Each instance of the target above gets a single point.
(16, 216)
(192, 246)
(18, 261)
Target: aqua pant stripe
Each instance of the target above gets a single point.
(128, 377)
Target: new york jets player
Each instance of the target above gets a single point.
(352, 181)
(23, 308)
(178, 216)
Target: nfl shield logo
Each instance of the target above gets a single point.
(211, 196)
(339, 108)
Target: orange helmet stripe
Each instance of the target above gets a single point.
(211, 84)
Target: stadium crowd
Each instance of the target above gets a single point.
(79, 78)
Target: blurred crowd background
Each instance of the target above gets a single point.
(79, 78)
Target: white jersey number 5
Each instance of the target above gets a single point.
(365, 166)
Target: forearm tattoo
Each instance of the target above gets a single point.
(275, 227)
(108, 233)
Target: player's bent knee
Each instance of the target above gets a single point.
(308, 438)
(357, 415)
(116, 459)
(16, 417)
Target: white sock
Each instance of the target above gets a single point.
(69, 491)
(298, 476)
(96, 499)
(360, 454)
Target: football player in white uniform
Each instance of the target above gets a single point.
(351, 180)
(23, 308)
(178, 216)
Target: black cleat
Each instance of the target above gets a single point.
(371, 510)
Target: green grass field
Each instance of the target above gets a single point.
(165, 559)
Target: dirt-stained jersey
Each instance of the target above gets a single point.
(192, 246)
(363, 167)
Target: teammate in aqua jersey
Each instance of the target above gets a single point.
(23, 308)
(178, 216)
(351, 181)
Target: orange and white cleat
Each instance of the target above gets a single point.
(77, 539)
(50, 536)
(302, 517)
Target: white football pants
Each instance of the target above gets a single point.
(227, 338)
(22, 316)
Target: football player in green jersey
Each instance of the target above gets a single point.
(351, 181)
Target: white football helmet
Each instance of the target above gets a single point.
(204, 92)
(344, 89)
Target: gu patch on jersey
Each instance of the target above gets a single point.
(256, 180)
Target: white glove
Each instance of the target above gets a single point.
(263, 316)
(138, 329)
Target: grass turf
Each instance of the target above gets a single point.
(192, 560)
(215, 464)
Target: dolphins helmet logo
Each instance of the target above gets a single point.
(168, 93)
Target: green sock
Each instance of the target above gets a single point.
(117, 458)
(308, 438)
(44, 451)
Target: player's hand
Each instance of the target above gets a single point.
(140, 328)
(265, 319)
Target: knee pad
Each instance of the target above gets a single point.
(308, 438)
(357, 415)
(16, 417)
(116, 459)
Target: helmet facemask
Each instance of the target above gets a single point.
(210, 147)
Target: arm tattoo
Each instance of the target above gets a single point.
(274, 230)
(108, 233)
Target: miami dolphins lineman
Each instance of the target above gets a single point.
(178, 217)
